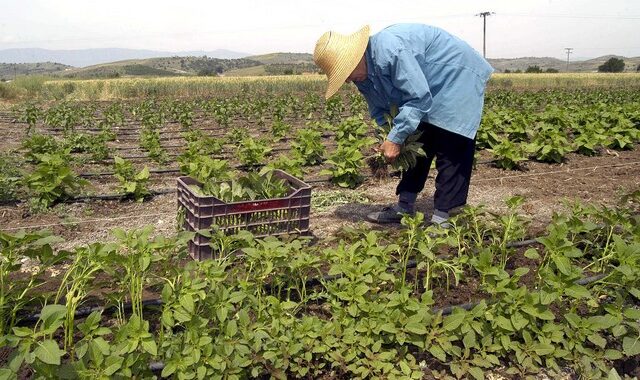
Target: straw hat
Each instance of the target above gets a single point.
(338, 55)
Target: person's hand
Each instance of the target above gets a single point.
(390, 150)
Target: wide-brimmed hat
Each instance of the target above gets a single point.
(338, 55)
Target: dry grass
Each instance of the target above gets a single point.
(189, 87)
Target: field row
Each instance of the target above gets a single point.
(367, 304)
(67, 139)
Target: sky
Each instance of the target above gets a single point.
(518, 28)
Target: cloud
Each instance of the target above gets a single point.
(8, 39)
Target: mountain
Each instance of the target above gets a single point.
(89, 57)
(163, 66)
(589, 65)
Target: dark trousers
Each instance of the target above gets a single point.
(454, 161)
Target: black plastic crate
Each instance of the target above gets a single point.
(264, 217)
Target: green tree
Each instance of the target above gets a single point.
(551, 70)
(533, 69)
(638, 68)
(613, 65)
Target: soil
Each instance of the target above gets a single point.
(547, 188)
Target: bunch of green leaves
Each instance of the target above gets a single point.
(623, 136)
(290, 165)
(150, 140)
(308, 146)
(52, 180)
(206, 169)
(35, 346)
(508, 155)
(251, 186)
(352, 130)
(265, 185)
(114, 115)
(253, 152)
(222, 111)
(410, 150)
(64, 116)
(199, 143)
(130, 262)
(345, 167)
(77, 282)
(549, 144)
(183, 113)
(30, 115)
(131, 183)
(17, 290)
(280, 129)
(236, 135)
(37, 144)
(590, 140)
(10, 177)
(95, 145)
(333, 108)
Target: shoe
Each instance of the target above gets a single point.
(437, 219)
(389, 214)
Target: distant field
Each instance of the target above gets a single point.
(128, 88)
(247, 72)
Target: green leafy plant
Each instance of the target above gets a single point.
(308, 146)
(76, 284)
(30, 115)
(150, 140)
(549, 144)
(35, 347)
(206, 170)
(409, 152)
(39, 144)
(508, 155)
(52, 180)
(280, 129)
(253, 152)
(248, 187)
(237, 134)
(131, 183)
(345, 168)
(10, 178)
(290, 165)
(15, 251)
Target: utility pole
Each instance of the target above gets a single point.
(568, 52)
(484, 31)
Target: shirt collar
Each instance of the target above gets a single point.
(367, 55)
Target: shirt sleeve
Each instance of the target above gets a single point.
(407, 78)
(376, 112)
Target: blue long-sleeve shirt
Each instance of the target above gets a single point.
(429, 75)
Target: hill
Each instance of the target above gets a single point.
(11, 70)
(278, 64)
(266, 64)
(269, 64)
(166, 66)
(589, 65)
(90, 57)
(282, 58)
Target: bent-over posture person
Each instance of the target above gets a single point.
(437, 81)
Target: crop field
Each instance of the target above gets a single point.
(539, 276)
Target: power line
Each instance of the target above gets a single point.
(604, 17)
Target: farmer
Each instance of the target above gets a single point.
(437, 81)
